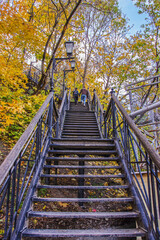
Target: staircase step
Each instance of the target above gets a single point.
(86, 141)
(82, 176)
(83, 159)
(80, 115)
(81, 137)
(84, 214)
(70, 121)
(83, 152)
(81, 120)
(80, 131)
(117, 200)
(83, 233)
(77, 118)
(83, 187)
(81, 167)
(84, 115)
(82, 146)
(79, 126)
(80, 111)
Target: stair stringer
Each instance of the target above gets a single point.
(143, 214)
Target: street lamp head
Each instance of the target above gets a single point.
(69, 48)
(73, 63)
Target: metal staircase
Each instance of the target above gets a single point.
(86, 184)
(74, 184)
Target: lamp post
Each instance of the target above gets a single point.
(73, 63)
(69, 49)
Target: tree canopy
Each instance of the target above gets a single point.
(33, 31)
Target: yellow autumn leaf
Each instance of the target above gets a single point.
(63, 204)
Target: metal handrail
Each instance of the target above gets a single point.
(137, 155)
(148, 147)
(8, 163)
(146, 79)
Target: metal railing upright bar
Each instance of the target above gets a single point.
(34, 73)
(69, 99)
(61, 114)
(141, 160)
(98, 109)
(20, 170)
(89, 100)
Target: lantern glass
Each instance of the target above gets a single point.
(73, 63)
(69, 47)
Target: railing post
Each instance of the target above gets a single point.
(113, 114)
(69, 96)
(94, 101)
(13, 184)
(50, 117)
(101, 120)
(105, 128)
(125, 140)
(57, 127)
(38, 140)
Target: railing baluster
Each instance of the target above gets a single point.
(154, 198)
(158, 189)
(13, 196)
(7, 206)
(17, 192)
(113, 108)
(149, 192)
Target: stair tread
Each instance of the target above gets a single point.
(83, 187)
(80, 123)
(79, 147)
(80, 117)
(84, 159)
(73, 144)
(126, 214)
(82, 176)
(80, 131)
(81, 137)
(83, 233)
(82, 167)
(77, 127)
(86, 140)
(72, 111)
(83, 152)
(122, 199)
